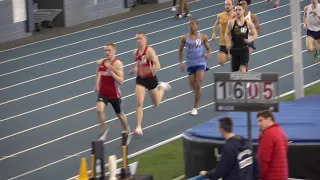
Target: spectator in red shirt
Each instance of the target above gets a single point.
(272, 148)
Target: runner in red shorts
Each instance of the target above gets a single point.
(109, 76)
(147, 64)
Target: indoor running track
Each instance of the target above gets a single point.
(47, 102)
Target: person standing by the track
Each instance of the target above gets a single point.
(174, 7)
(272, 148)
(147, 63)
(311, 21)
(183, 6)
(195, 43)
(222, 21)
(108, 77)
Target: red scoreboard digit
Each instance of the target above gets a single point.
(246, 92)
(268, 90)
(253, 90)
(263, 90)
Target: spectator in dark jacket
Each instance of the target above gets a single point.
(272, 148)
(237, 161)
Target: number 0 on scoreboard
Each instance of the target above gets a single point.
(246, 91)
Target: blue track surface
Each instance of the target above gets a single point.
(299, 119)
(47, 103)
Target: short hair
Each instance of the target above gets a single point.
(240, 4)
(112, 45)
(194, 20)
(266, 114)
(142, 33)
(231, 1)
(226, 124)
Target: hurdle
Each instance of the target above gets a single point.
(97, 158)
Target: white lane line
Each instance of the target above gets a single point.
(96, 37)
(96, 48)
(114, 22)
(68, 99)
(180, 135)
(46, 90)
(11, 86)
(125, 97)
(179, 178)
(78, 80)
(133, 112)
(130, 156)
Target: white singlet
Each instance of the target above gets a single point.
(313, 18)
(248, 17)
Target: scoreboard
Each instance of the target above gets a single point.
(246, 92)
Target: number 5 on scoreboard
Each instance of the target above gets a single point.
(268, 90)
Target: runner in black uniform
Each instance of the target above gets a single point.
(237, 32)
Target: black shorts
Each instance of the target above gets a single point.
(148, 83)
(239, 57)
(223, 49)
(116, 103)
(314, 34)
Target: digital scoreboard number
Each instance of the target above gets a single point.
(246, 92)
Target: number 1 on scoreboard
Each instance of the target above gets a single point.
(222, 90)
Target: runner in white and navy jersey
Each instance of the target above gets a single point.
(311, 20)
(195, 44)
(109, 76)
(252, 18)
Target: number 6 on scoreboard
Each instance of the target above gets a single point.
(267, 90)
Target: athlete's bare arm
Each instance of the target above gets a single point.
(182, 44)
(253, 31)
(256, 22)
(215, 27)
(228, 32)
(305, 18)
(206, 45)
(151, 54)
(98, 75)
(135, 68)
(117, 71)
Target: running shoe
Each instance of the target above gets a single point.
(138, 131)
(174, 9)
(165, 86)
(194, 112)
(103, 135)
(178, 16)
(187, 15)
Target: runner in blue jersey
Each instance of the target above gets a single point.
(196, 43)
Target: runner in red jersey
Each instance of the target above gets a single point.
(147, 64)
(109, 76)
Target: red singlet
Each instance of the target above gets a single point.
(108, 86)
(144, 64)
